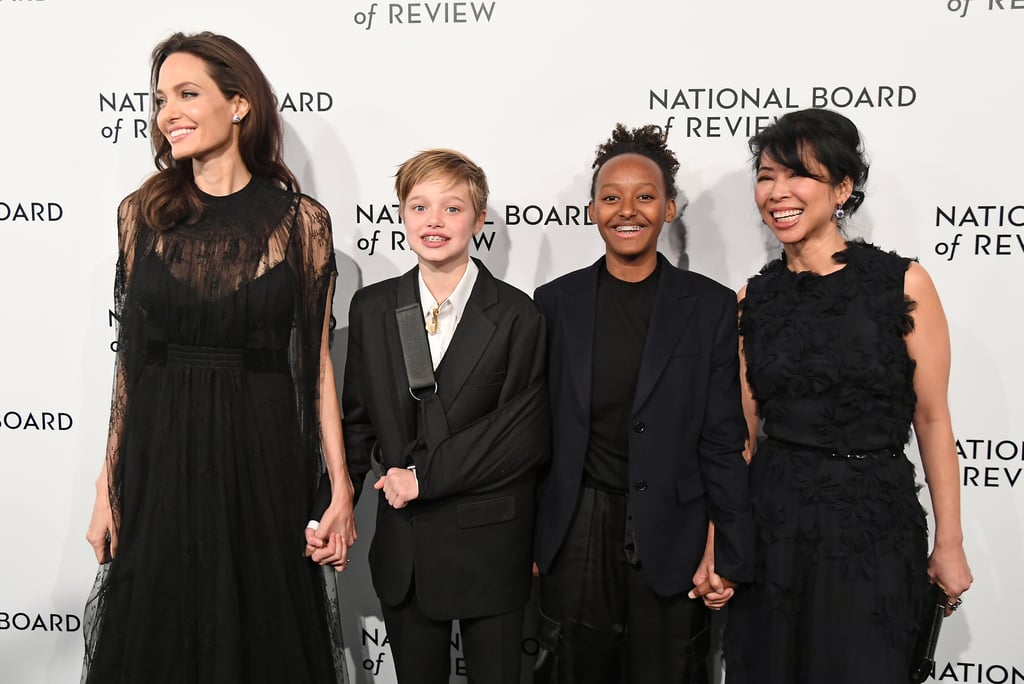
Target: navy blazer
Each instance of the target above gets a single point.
(687, 427)
(467, 540)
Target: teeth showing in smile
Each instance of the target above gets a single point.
(180, 132)
(786, 215)
(627, 229)
(434, 238)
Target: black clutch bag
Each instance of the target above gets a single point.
(923, 659)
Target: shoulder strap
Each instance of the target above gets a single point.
(431, 422)
(419, 369)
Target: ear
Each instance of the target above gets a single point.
(479, 224)
(843, 190)
(590, 211)
(240, 106)
(670, 210)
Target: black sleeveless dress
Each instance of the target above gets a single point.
(216, 450)
(842, 548)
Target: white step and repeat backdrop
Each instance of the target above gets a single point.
(527, 88)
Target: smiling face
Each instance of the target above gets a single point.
(797, 208)
(630, 206)
(440, 222)
(193, 114)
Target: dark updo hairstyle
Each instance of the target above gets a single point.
(647, 141)
(821, 134)
(170, 196)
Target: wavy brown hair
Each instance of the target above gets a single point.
(170, 197)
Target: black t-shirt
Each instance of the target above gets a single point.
(620, 328)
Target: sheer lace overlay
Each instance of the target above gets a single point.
(214, 449)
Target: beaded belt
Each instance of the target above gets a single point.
(859, 454)
(266, 360)
(868, 453)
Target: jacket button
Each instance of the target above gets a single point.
(639, 426)
(640, 485)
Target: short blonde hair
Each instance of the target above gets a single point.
(442, 164)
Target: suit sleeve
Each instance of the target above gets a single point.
(359, 431)
(720, 447)
(506, 443)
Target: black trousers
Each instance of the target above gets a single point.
(612, 627)
(421, 646)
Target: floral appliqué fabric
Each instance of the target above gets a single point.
(842, 549)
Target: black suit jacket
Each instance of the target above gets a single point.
(687, 431)
(466, 541)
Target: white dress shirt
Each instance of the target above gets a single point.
(449, 312)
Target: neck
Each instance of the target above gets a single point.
(220, 177)
(631, 270)
(442, 280)
(815, 255)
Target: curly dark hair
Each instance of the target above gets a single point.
(647, 141)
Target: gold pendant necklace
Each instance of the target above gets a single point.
(432, 323)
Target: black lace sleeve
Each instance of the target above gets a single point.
(127, 248)
(311, 255)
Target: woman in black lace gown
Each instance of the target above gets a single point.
(843, 346)
(224, 400)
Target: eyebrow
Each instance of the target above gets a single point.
(179, 86)
(444, 198)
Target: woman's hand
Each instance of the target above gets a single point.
(328, 544)
(708, 585)
(101, 534)
(948, 568)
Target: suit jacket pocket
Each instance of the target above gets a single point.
(486, 512)
(689, 488)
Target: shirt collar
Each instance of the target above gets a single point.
(459, 296)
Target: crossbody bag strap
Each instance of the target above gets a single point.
(431, 422)
(419, 369)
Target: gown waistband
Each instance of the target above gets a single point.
(261, 360)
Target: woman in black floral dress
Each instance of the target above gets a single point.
(843, 347)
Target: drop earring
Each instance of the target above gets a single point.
(839, 213)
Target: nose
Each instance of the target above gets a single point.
(627, 207)
(167, 112)
(436, 218)
(780, 188)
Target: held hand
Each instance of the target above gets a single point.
(312, 541)
(948, 568)
(101, 534)
(334, 552)
(708, 585)
(328, 544)
(399, 486)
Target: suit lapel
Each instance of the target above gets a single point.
(471, 338)
(577, 311)
(673, 307)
